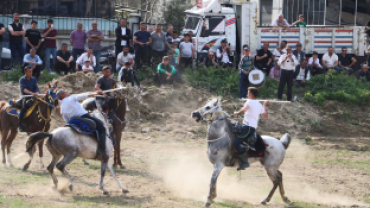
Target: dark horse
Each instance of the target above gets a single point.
(117, 113)
(38, 120)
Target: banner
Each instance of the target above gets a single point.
(199, 4)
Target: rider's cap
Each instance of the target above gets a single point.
(60, 93)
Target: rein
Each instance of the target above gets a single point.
(47, 119)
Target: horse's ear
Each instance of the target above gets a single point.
(216, 102)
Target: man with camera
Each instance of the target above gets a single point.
(287, 62)
(224, 54)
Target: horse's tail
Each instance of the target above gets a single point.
(2, 104)
(34, 138)
(285, 140)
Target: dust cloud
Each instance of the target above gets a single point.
(188, 173)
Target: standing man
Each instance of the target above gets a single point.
(16, 32)
(34, 61)
(2, 31)
(245, 65)
(287, 62)
(346, 62)
(104, 83)
(28, 85)
(299, 53)
(330, 60)
(224, 54)
(64, 60)
(78, 39)
(123, 37)
(252, 110)
(142, 39)
(264, 58)
(50, 43)
(158, 42)
(33, 37)
(95, 37)
(169, 35)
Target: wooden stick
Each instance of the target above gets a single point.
(26, 96)
(112, 90)
(271, 101)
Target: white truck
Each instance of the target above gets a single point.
(212, 21)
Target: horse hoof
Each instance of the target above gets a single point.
(123, 167)
(125, 191)
(11, 165)
(287, 200)
(25, 167)
(263, 202)
(85, 162)
(70, 186)
(54, 186)
(105, 192)
(4, 166)
(207, 204)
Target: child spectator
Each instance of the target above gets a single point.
(300, 22)
(245, 65)
(166, 71)
(86, 68)
(186, 53)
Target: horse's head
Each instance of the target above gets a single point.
(51, 94)
(206, 112)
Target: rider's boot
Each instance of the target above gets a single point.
(243, 161)
(22, 125)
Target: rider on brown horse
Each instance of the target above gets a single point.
(28, 85)
(252, 110)
(104, 83)
(71, 109)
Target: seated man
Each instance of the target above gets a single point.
(87, 55)
(64, 59)
(264, 58)
(28, 85)
(225, 54)
(314, 64)
(71, 108)
(123, 57)
(252, 110)
(166, 71)
(34, 61)
(364, 72)
(330, 60)
(104, 83)
(127, 74)
(210, 60)
(302, 73)
(345, 62)
(87, 67)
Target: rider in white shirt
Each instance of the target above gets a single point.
(252, 110)
(71, 108)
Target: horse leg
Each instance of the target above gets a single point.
(276, 178)
(9, 141)
(282, 192)
(4, 136)
(117, 150)
(55, 158)
(212, 192)
(124, 189)
(104, 164)
(41, 154)
(63, 163)
(85, 161)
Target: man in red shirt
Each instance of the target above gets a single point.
(50, 43)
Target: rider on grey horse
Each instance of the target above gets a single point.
(104, 83)
(71, 109)
(252, 110)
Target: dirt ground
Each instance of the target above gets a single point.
(164, 150)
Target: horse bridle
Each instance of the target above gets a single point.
(212, 114)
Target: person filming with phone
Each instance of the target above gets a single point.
(225, 54)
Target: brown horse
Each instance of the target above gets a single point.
(38, 120)
(117, 113)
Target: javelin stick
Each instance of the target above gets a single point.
(271, 101)
(26, 96)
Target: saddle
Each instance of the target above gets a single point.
(14, 109)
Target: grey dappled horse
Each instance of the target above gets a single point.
(220, 139)
(65, 142)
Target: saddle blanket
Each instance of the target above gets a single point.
(252, 153)
(14, 111)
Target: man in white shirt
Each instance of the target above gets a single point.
(329, 60)
(71, 109)
(281, 22)
(302, 74)
(224, 54)
(287, 63)
(86, 56)
(123, 57)
(314, 64)
(279, 50)
(252, 110)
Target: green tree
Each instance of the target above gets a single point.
(175, 13)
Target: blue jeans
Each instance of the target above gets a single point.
(97, 55)
(243, 85)
(1, 51)
(14, 48)
(339, 69)
(53, 52)
(76, 52)
(239, 139)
